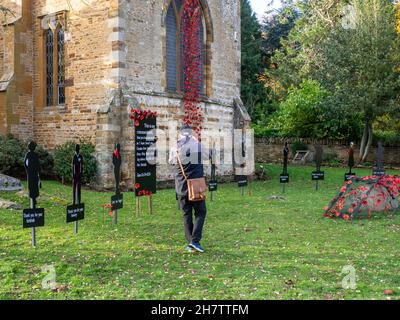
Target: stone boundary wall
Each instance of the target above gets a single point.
(269, 150)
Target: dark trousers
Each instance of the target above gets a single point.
(193, 230)
(76, 191)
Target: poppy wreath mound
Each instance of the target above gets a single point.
(364, 197)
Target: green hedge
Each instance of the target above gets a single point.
(12, 154)
(63, 161)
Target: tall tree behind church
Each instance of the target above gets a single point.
(253, 91)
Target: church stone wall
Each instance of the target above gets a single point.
(115, 51)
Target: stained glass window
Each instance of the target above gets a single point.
(49, 67)
(60, 67)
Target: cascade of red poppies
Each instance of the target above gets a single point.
(192, 70)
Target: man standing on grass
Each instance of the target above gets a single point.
(191, 153)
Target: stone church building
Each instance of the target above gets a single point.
(68, 69)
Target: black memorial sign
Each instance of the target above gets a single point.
(145, 153)
(212, 185)
(348, 176)
(75, 213)
(379, 172)
(117, 201)
(33, 218)
(318, 175)
(284, 178)
(242, 181)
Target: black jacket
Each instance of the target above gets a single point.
(192, 155)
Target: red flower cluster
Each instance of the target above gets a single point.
(192, 65)
(138, 115)
(108, 206)
(368, 194)
(144, 193)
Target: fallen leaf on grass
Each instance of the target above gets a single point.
(60, 288)
(289, 283)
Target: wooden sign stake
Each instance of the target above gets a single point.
(150, 202)
(76, 222)
(34, 228)
(137, 206)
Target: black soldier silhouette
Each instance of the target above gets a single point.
(117, 161)
(379, 156)
(318, 156)
(32, 167)
(351, 161)
(77, 172)
(285, 158)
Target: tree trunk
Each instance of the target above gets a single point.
(363, 142)
(369, 143)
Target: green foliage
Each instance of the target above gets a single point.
(331, 157)
(298, 146)
(276, 27)
(12, 154)
(358, 64)
(63, 156)
(300, 115)
(295, 57)
(387, 137)
(253, 92)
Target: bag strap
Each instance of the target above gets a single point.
(180, 164)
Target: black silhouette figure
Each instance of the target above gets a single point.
(351, 161)
(285, 158)
(318, 156)
(117, 161)
(77, 172)
(32, 167)
(379, 157)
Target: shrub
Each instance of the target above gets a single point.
(331, 157)
(12, 154)
(297, 146)
(63, 156)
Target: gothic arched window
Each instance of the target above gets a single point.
(55, 65)
(60, 67)
(49, 66)
(175, 47)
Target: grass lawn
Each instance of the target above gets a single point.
(256, 248)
